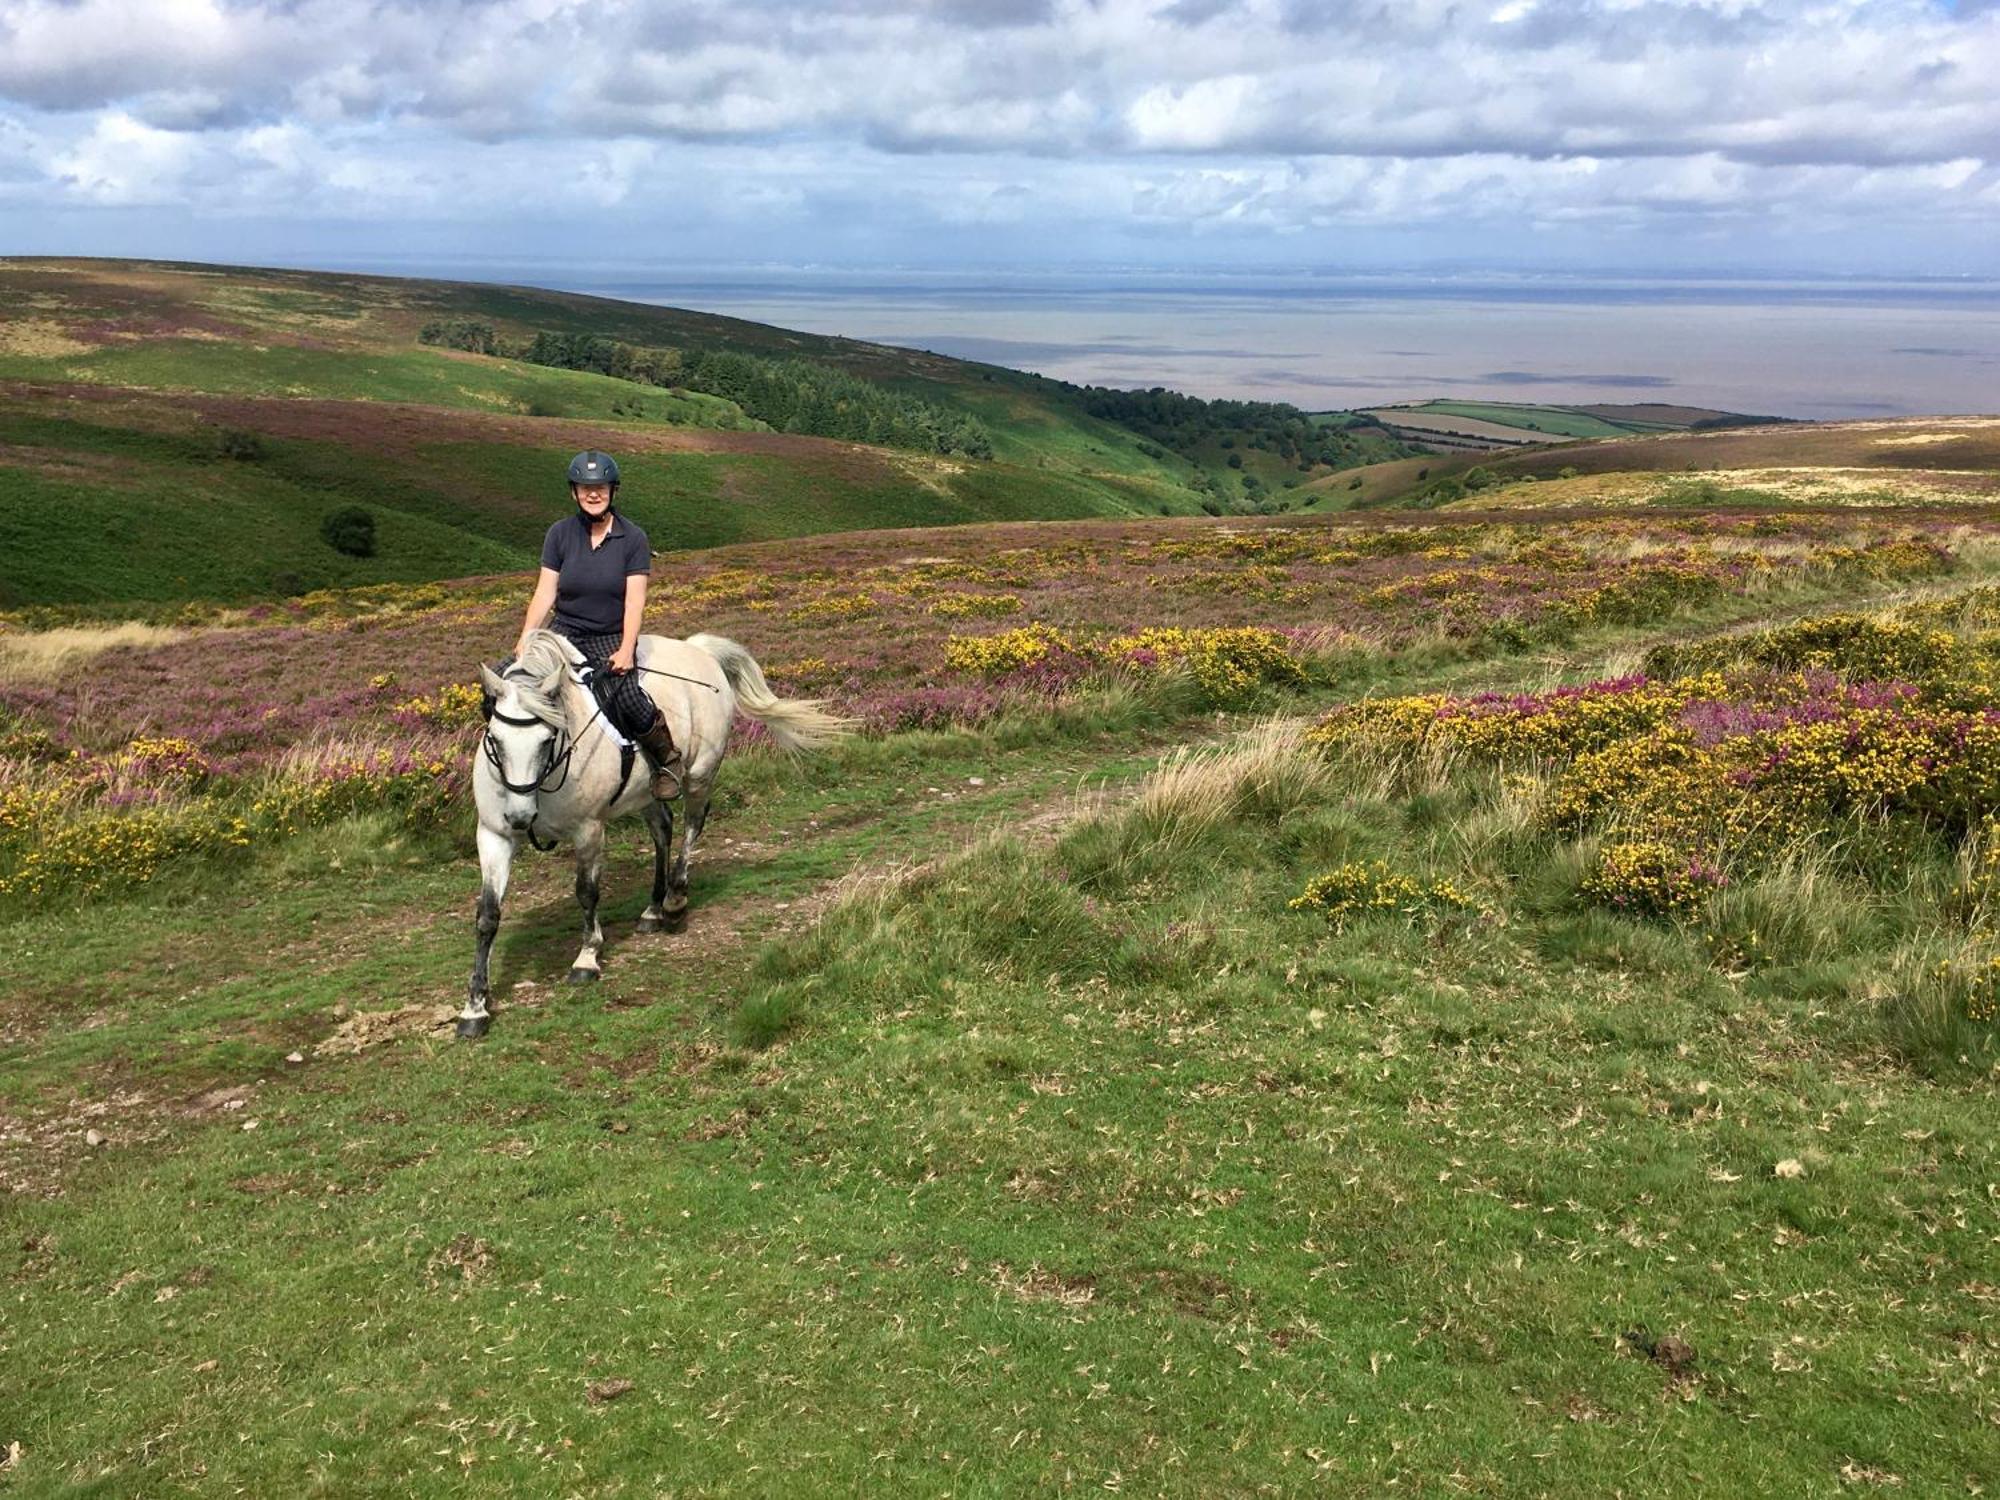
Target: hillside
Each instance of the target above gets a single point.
(1488, 981)
(210, 418)
(1908, 460)
(1318, 1004)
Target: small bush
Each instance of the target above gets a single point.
(239, 444)
(350, 530)
(1373, 889)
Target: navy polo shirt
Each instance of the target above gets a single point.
(590, 582)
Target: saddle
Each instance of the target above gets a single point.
(603, 687)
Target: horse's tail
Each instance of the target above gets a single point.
(795, 723)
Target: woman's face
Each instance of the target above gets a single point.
(592, 499)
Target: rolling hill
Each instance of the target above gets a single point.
(208, 419)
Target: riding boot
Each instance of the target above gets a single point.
(665, 758)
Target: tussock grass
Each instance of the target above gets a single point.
(40, 655)
(1265, 774)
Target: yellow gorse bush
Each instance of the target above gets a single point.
(454, 704)
(58, 839)
(1009, 651)
(1777, 738)
(1372, 888)
(1229, 663)
(975, 606)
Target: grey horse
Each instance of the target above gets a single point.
(551, 767)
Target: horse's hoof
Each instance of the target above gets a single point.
(472, 1028)
(581, 975)
(675, 921)
(651, 923)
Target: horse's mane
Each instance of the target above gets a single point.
(538, 673)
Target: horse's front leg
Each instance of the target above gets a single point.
(589, 870)
(677, 887)
(496, 859)
(660, 823)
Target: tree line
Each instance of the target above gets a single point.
(1188, 425)
(788, 395)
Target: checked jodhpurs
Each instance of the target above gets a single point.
(625, 701)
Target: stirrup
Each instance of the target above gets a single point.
(675, 774)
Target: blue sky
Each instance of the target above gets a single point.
(1828, 136)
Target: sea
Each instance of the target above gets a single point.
(1825, 348)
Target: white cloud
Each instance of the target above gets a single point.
(124, 162)
(1217, 116)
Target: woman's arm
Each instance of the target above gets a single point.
(539, 606)
(626, 656)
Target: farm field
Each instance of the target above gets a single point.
(1451, 428)
(1479, 1001)
(1478, 425)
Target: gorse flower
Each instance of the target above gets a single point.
(1373, 889)
(1780, 738)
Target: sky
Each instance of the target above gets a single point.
(1829, 137)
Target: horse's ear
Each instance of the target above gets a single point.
(490, 680)
(551, 681)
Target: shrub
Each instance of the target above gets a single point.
(239, 444)
(1009, 651)
(350, 530)
(1228, 663)
(1372, 889)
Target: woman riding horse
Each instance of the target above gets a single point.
(595, 563)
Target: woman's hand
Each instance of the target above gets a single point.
(621, 661)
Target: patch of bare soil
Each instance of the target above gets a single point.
(371, 1028)
(38, 1156)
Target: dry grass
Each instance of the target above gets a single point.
(1267, 772)
(38, 655)
(39, 338)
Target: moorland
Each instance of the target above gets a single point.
(1483, 980)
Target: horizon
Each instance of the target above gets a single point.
(1819, 348)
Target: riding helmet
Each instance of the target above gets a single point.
(592, 467)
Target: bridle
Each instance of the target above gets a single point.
(553, 774)
(555, 756)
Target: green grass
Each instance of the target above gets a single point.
(182, 522)
(171, 522)
(190, 331)
(1076, 1158)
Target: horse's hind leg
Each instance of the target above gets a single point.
(496, 858)
(697, 815)
(589, 870)
(660, 822)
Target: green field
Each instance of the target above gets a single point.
(1552, 419)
